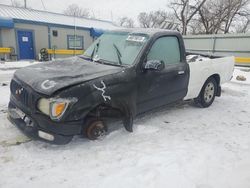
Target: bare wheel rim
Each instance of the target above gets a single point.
(209, 92)
(96, 130)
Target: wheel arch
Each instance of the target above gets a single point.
(218, 81)
(98, 110)
(216, 77)
(122, 110)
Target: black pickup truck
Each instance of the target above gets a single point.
(123, 73)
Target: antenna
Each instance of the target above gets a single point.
(25, 4)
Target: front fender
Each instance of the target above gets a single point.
(117, 94)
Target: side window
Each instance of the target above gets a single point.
(165, 49)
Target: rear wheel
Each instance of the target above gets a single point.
(95, 129)
(207, 94)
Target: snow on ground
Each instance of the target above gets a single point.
(8, 68)
(177, 146)
(16, 64)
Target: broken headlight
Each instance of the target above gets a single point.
(55, 107)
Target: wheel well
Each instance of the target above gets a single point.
(104, 111)
(217, 78)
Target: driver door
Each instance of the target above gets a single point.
(158, 88)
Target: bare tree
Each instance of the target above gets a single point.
(242, 25)
(185, 10)
(126, 22)
(212, 14)
(75, 10)
(195, 27)
(234, 8)
(154, 19)
(144, 20)
(220, 15)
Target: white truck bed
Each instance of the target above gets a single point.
(203, 68)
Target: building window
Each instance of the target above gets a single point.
(75, 42)
(55, 33)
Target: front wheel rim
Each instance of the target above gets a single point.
(209, 92)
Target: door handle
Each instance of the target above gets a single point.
(181, 72)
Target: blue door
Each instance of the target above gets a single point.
(25, 43)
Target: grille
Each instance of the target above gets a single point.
(19, 92)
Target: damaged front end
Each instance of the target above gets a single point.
(24, 114)
(57, 117)
(73, 96)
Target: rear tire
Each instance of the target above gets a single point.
(207, 94)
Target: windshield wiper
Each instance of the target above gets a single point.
(119, 55)
(105, 62)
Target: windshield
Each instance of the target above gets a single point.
(117, 48)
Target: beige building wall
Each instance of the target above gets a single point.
(41, 37)
(8, 38)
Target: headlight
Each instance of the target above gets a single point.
(43, 106)
(55, 107)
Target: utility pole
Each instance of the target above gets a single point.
(25, 3)
(75, 34)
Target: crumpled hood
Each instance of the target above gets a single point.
(46, 78)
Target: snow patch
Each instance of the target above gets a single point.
(16, 64)
(178, 146)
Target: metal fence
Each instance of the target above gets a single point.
(237, 45)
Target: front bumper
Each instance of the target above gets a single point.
(35, 129)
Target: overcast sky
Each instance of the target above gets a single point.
(102, 9)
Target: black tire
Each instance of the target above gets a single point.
(207, 94)
(95, 129)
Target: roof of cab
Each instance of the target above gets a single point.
(148, 31)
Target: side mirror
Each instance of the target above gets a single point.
(154, 65)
